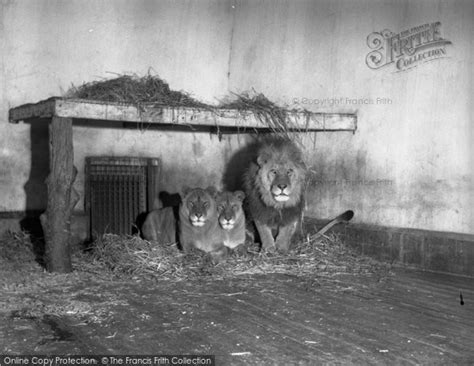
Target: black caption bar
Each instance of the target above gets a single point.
(151, 360)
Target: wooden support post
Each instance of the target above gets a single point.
(62, 198)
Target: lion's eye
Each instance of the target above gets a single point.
(290, 172)
(273, 172)
(206, 204)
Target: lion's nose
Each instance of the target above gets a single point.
(282, 186)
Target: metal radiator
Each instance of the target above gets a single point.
(118, 191)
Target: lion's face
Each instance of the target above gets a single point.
(229, 208)
(281, 175)
(200, 206)
(279, 181)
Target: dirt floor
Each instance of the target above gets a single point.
(383, 316)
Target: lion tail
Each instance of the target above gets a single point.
(344, 217)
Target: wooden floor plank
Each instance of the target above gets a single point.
(345, 324)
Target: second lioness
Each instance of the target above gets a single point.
(231, 218)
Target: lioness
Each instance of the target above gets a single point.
(198, 222)
(275, 186)
(231, 218)
(160, 226)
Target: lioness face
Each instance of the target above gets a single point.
(200, 206)
(229, 208)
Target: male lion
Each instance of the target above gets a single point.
(198, 222)
(231, 218)
(275, 188)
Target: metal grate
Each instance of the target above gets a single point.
(118, 190)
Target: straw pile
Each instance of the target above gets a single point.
(151, 90)
(134, 90)
(268, 113)
(29, 292)
(132, 256)
(114, 256)
(17, 252)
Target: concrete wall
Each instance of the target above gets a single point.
(409, 164)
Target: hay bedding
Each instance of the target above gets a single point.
(132, 256)
(29, 292)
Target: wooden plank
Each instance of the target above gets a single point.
(43, 109)
(146, 113)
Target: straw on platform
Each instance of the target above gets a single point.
(152, 90)
(134, 90)
(275, 117)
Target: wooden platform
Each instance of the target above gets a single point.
(406, 318)
(148, 113)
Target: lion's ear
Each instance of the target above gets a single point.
(185, 190)
(212, 191)
(263, 158)
(218, 196)
(239, 195)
